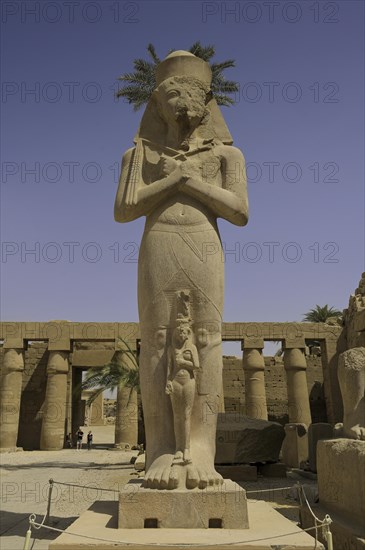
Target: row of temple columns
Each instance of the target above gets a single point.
(55, 404)
(295, 365)
(54, 411)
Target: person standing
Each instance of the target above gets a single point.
(79, 435)
(89, 440)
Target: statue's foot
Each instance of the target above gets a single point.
(201, 476)
(158, 475)
(354, 432)
(187, 457)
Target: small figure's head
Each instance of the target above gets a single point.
(182, 332)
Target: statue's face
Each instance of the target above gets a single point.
(181, 100)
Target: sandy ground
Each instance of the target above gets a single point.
(25, 485)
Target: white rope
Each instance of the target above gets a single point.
(324, 524)
(171, 544)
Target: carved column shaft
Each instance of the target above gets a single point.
(126, 421)
(255, 394)
(295, 366)
(54, 416)
(10, 394)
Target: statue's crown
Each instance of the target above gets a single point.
(182, 63)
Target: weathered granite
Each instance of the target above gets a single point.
(182, 174)
(242, 440)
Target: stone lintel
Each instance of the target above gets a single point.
(225, 505)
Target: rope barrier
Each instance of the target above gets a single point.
(319, 524)
(179, 545)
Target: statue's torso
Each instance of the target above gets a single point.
(182, 209)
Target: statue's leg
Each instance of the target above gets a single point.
(189, 397)
(177, 401)
(205, 412)
(351, 375)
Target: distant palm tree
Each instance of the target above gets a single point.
(142, 81)
(321, 314)
(122, 374)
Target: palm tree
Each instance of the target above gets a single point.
(321, 314)
(142, 81)
(122, 373)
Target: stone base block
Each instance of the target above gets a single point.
(224, 506)
(268, 530)
(295, 445)
(341, 478)
(344, 534)
(239, 472)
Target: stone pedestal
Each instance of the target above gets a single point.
(295, 445)
(222, 506)
(268, 530)
(10, 394)
(341, 487)
(341, 478)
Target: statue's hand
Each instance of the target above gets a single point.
(190, 168)
(168, 165)
(169, 388)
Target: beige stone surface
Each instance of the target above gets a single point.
(265, 534)
(341, 478)
(183, 509)
(182, 175)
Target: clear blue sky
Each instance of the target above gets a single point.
(299, 120)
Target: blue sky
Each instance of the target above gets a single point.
(299, 120)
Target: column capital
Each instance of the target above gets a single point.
(294, 358)
(58, 362)
(291, 344)
(13, 360)
(14, 343)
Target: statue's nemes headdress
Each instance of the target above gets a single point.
(183, 64)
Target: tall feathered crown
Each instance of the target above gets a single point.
(182, 63)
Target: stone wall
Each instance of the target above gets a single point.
(275, 383)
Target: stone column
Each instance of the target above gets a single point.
(10, 394)
(295, 365)
(254, 367)
(126, 419)
(54, 416)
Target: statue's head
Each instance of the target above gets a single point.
(183, 97)
(183, 89)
